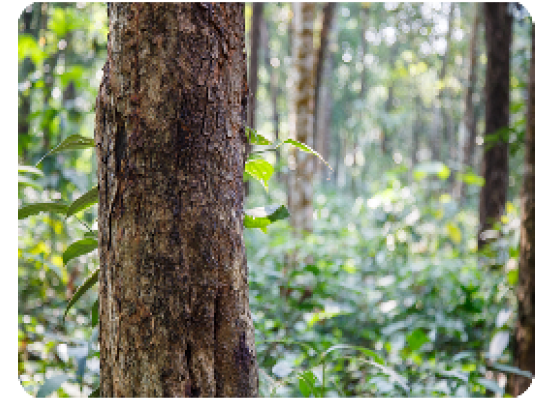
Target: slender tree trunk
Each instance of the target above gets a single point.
(495, 164)
(274, 89)
(173, 291)
(469, 119)
(300, 189)
(328, 14)
(525, 332)
(438, 125)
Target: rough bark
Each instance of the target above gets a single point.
(173, 293)
(255, 34)
(525, 332)
(495, 166)
(438, 125)
(469, 118)
(300, 189)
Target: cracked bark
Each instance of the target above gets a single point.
(173, 291)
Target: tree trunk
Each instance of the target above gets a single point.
(417, 128)
(495, 166)
(438, 125)
(525, 333)
(469, 117)
(255, 34)
(388, 107)
(328, 14)
(173, 291)
(300, 189)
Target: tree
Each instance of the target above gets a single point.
(495, 166)
(173, 291)
(438, 124)
(328, 14)
(300, 189)
(469, 117)
(525, 332)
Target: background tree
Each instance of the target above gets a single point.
(525, 332)
(495, 163)
(300, 191)
(174, 313)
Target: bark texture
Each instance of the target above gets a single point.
(300, 189)
(170, 114)
(525, 333)
(495, 163)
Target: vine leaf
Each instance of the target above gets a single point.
(79, 248)
(88, 283)
(35, 208)
(83, 202)
(74, 141)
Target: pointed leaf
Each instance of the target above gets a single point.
(256, 138)
(35, 208)
(51, 385)
(30, 170)
(72, 142)
(260, 169)
(306, 148)
(83, 202)
(262, 217)
(95, 313)
(79, 248)
(95, 393)
(91, 234)
(88, 283)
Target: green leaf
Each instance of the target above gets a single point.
(72, 142)
(83, 202)
(79, 248)
(95, 393)
(305, 148)
(94, 313)
(91, 234)
(27, 46)
(307, 382)
(471, 179)
(512, 277)
(35, 208)
(512, 369)
(416, 339)
(261, 170)
(262, 217)
(433, 168)
(255, 138)
(50, 385)
(88, 283)
(30, 170)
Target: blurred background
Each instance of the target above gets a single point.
(387, 257)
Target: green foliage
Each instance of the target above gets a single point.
(79, 248)
(83, 202)
(71, 143)
(262, 217)
(88, 283)
(36, 208)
